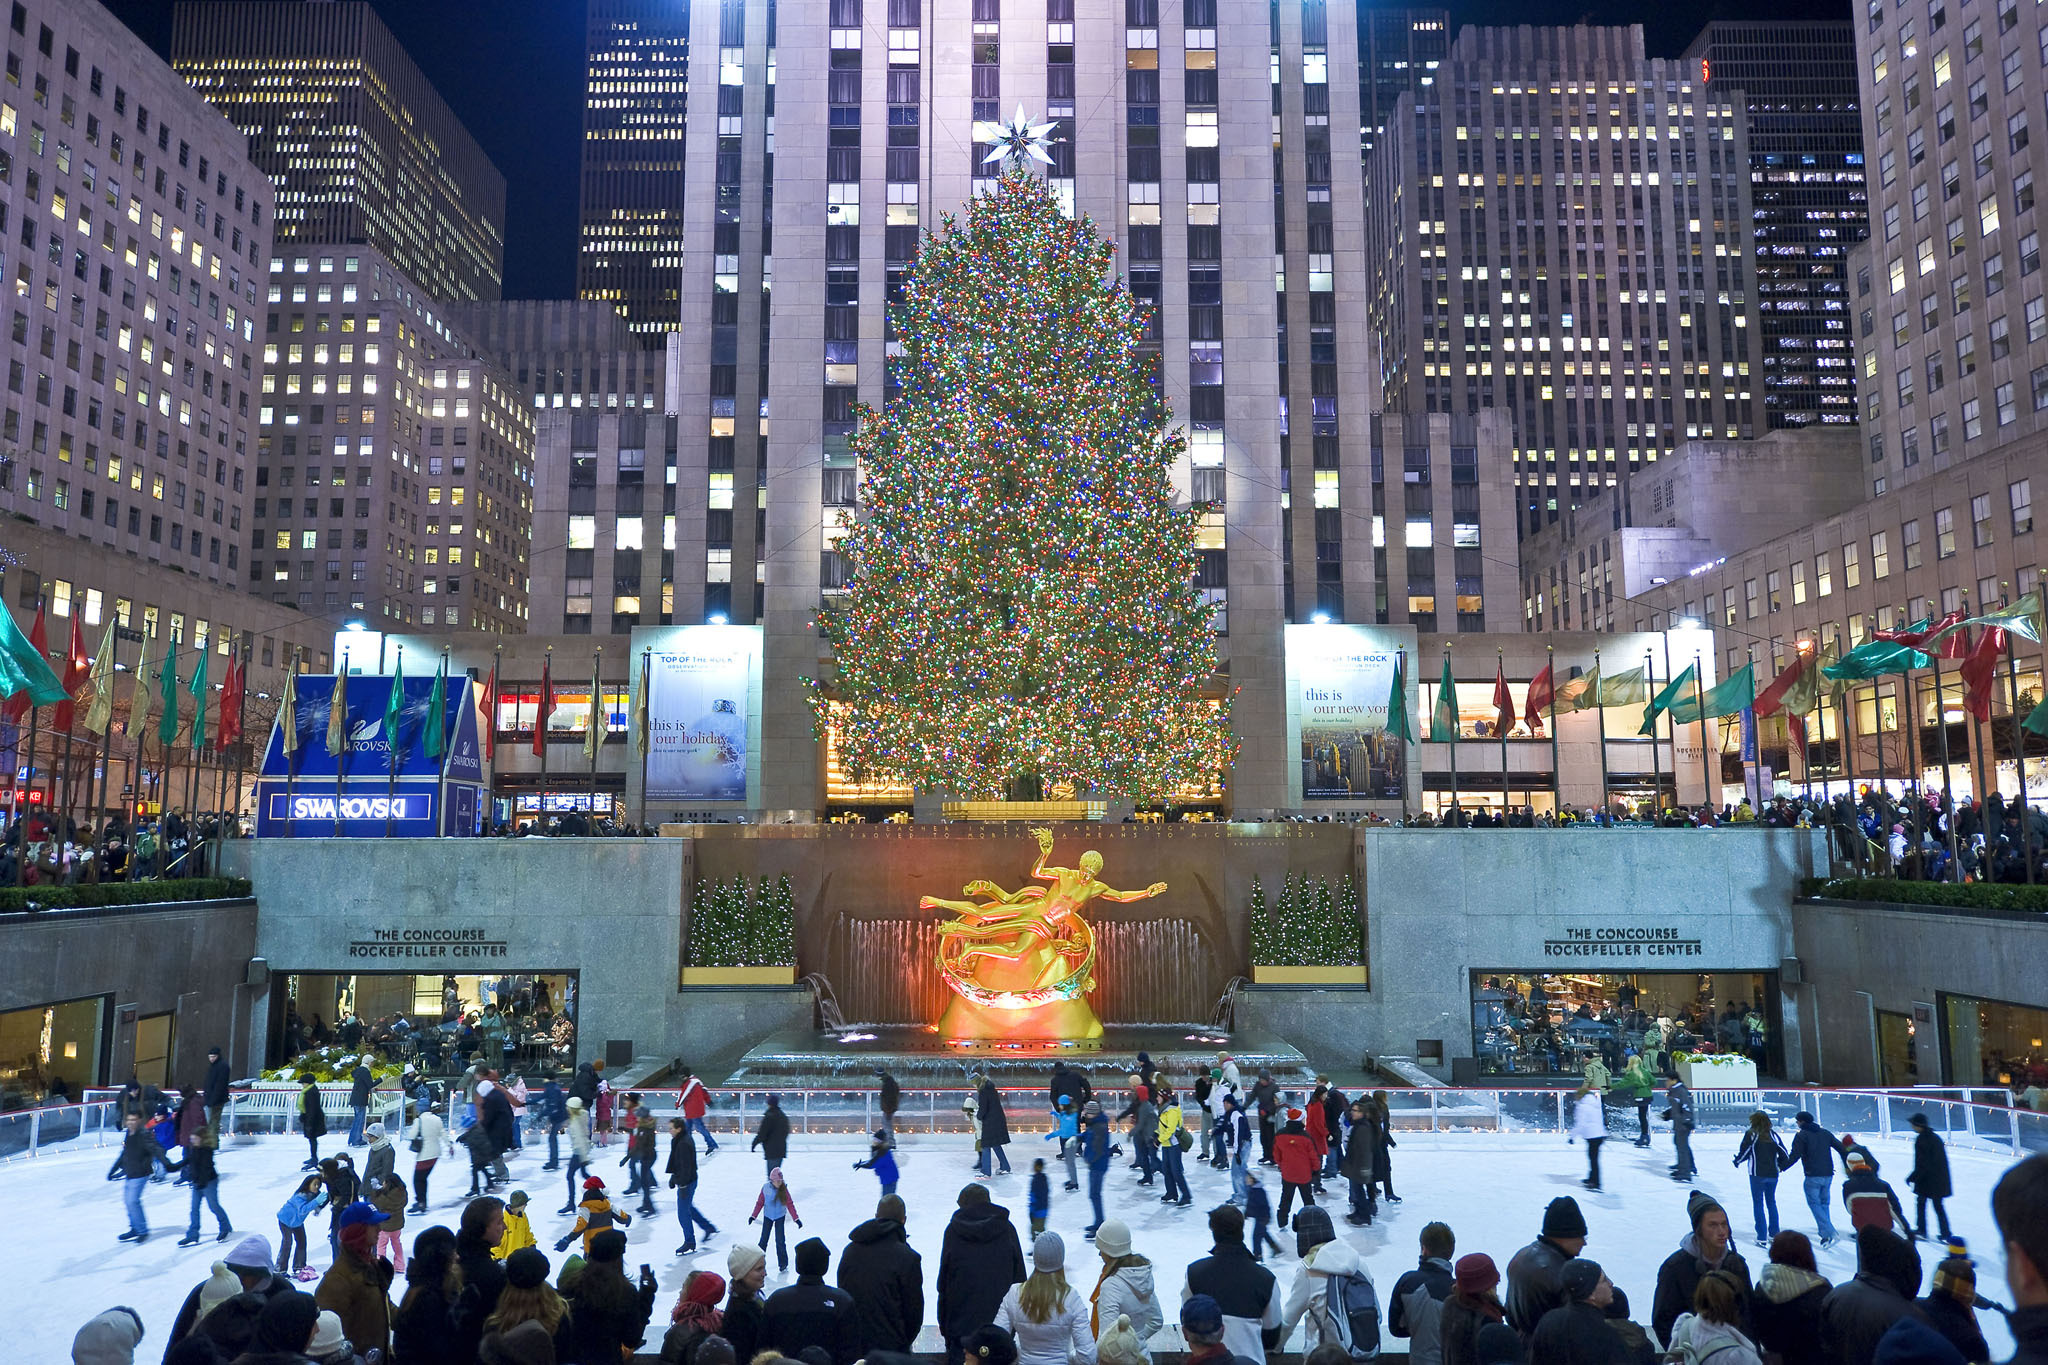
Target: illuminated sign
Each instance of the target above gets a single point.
(310, 807)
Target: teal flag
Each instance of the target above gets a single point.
(167, 725)
(2037, 720)
(1734, 694)
(435, 739)
(197, 687)
(394, 712)
(1876, 659)
(23, 667)
(1397, 708)
(1679, 688)
(1443, 724)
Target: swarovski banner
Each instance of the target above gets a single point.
(697, 717)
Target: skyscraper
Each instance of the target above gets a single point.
(362, 149)
(1568, 238)
(1399, 51)
(1798, 84)
(630, 244)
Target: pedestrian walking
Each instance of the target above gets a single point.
(579, 1149)
(771, 1135)
(1589, 1125)
(1813, 1147)
(1930, 1180)
(682, 1178)
(696, 1102)
(312, 1119)
(995, 1127)
(882, 1160)
(1767, 1158)
(205, 1182)
(425, 1138)
(308, 1199)
(140, 1152)
(1679, 1113)
(771, 1207)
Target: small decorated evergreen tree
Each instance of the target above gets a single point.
(1263, 943)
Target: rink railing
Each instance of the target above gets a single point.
(1975, 1119)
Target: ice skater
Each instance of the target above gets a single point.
(1066, 1128)
(1929, 1177)
(200, 1174)
(682, 1178)
(1258, 1211)
(307, 1200)
(1038, 1200)
(595, 1214)
(771, 1207)
(1767, 1159)
(882, 1161)
(312, 1119)
(140, 1153)
(1589, 1125)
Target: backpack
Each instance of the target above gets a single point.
(1351, 1316)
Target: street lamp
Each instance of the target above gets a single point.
(1321, 618)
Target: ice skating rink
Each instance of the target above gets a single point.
(1491, 1189)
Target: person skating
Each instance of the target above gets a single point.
(1038, 1196)
(579, 1149)
(388, 1193)
(811, 1313)
(1855, 1315)
(312, 1119)
(1237, 1139)
(1044, 1313)
(554, 1120)
(1950, 1304)
(1813, 1147)
(1247, 1293)
(1096, 1151)
(1415, 1305)
(1534, 1286)
(134, 1165)
(771, 1207)
(2019, 1205)
(1383, 1147)
(980, 1258)
(361, 1082)
(885, 1275)
(1258, 1211)
(1145, 1133)
(307, 1200)
(1637, 1084)
(1356, 1166)
(1066, 1130)
(594, 1214)
(771, 1135)
(382, 1158)
(1326, 1261)
(1709, 1247)
(682, 1178)
(1678, 1112)
(1264, 1103)
(518, 1228)
(1930, 1179)
(696, 1102)
(1589, 1125)
(640, 1150)
(1785, 1306)
(1124, 1289)
(494, 1115)
(1871, 1202)
(338, 1177)
(1767, 1158)
(1712, 1331)
(1175, 1142)
(1296, 1157)
(882, 1160)
(995, 1128)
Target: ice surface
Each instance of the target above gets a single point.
(1491, 1189)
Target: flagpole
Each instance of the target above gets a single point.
(1656, 758)
(1948, 795)
(2019, 750)
(1455, 727)
(347, 741)
(600, 721)
(291, 753)
(1980, 770)
(646, 665)
(1556, 772)
(1501, 663)
(1676, 799)
(1600, 716)
(540, 728)
(99, 801)
(391, 768)
(21, 793)
(1400, 678)
(1699, 700)
(489, 739)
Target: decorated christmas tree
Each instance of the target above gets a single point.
(1022, 611)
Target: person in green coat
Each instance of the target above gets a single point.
(1636, 1084)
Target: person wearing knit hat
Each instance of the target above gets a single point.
(1785, 1309)
(1497, 1344)
(527, 1343)
(1472, 1306)
(526, 1268)
(1710, 1246)
(1324, 1259)
(1120, 1344)
(1124, 1289)
(810, 1313)
(1856, 1314)
(746, 1270)
(109, 1339)
(218, 1288)
(1912, 1342)
(1533, 1284)
(1048, 1318)
(1950, 1304)
(329, 1346)
(286, 1325)
(1871, 1201)
(1579, 1329)
(1201, 1322)
(356, 1285)
(695, 1318)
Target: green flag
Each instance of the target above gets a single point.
(100, 714)
(2037, 720)
(1875, 659)
(197, 687)
(23, 667)
(1735, 693)
(1624, 689)
(1397, 707)
(394, 711)
(1443, 723)
(1576, 694)
(167, 725)
(435, 738)
(1678, 688)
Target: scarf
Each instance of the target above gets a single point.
(698, 1303)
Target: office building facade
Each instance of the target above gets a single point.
(1798, 88)
(629, 251)
(139, 233)
(1567, 237)
(1399, 51)
(394, 479)
(361, 147)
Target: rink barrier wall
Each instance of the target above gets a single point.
(1978, 1119)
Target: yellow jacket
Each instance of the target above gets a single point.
(518, 1233)
(1169, 1123)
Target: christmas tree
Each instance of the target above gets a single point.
(1022, 612)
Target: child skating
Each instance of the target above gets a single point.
(594, 1215)
(1066, 1128)
(772, 1206)
(1038, 1204)
(307, 1200)
(1258, 1211)
(518, 1231)
(881, 1160)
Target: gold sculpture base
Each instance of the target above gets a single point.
(1062, 1019)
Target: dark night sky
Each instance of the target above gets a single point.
(513, 72)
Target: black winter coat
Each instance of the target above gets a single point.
(361, 1082)
(978, 1262)
(494, 1113)
(772, 1136)
(312, 1113)
(1855, 1315)
(583, 1086)
(2030, 1334)
(1813, 1147)
(1957, 1325)
(217, 1079)
(885, 1275)
(811, 1313)
(1458, 1331)
(607, 1316)
(1789, 1326)
(483, 1280)
(891, 1096)
(995, 1125)
(139, 1155)
(1930, 1179)
(742, 1325)
(424, 1331)
(1535, 1285)
(1681, 1274)
(1577, 1334)
(682, 1160)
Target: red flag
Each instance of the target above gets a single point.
(1542, 696)
(1772, 699)
(1914, 638)
(490, 705)
(1503, 704)
(231, 692)
(1795, 726)
(17, 705)
(77, 668)
(547, 707)
(1980, 671)
(1955, 644)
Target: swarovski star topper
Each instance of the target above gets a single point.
(1020, 138)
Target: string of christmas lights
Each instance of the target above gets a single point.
(1022, 600)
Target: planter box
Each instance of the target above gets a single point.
(1738, 1073)
(1308, 976)
(739, 976)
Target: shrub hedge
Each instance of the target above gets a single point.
(1951, 895)
(17, 898)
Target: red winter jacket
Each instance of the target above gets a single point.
(1318, 1131)
(693, 1099)
(1296, 1156)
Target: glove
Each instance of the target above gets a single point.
(856, 1165)
(563, 1245)
(799, 1222)
(754, 1219)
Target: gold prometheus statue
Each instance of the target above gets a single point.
(1019, 962)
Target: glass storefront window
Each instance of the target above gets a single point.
(448, 1022)
(1993, 1042)
(1541, 1024)
(49, 1048)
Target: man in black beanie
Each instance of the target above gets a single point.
(1708, 1247)
(1855, 1315)
(1580, 1331)
(811, 1312)
(1534, 1286)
